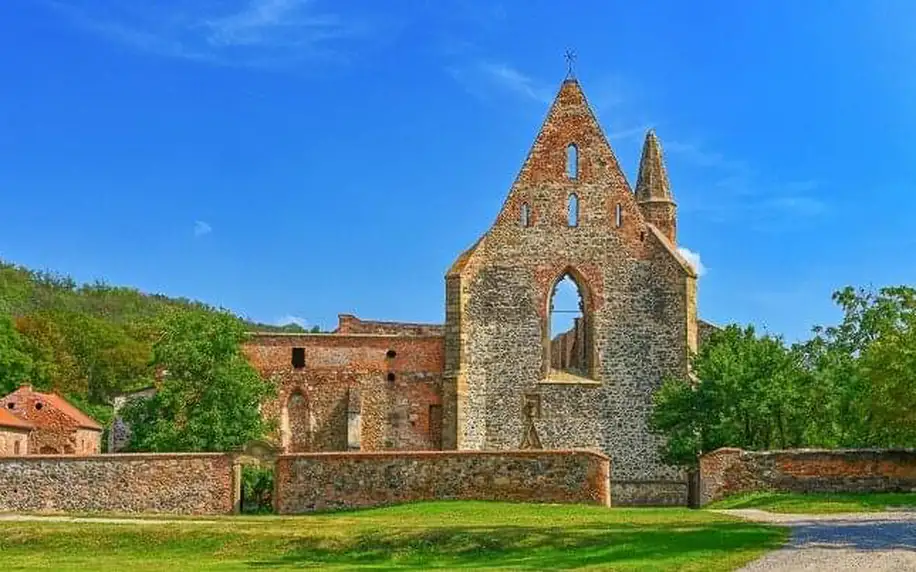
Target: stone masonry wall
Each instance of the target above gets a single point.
(639, 305)
(386, 387)
(200, 484)
(725, 472)
(333, 481)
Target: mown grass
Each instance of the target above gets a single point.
(817, 503)
(439, 535)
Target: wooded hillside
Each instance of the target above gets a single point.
(87, 342)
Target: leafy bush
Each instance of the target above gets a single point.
(257, 489)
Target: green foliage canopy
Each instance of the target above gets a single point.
(209, 397)
(850, 385)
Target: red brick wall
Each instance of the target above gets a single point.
(348, 374)
(306, 483)
(193, 483)
(347, 324)
(727, 472)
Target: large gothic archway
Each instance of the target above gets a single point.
(567, 332)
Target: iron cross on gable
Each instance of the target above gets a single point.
(570, 63)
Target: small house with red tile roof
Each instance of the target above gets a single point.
(59, 428)
(14, 435)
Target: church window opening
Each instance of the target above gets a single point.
(391, 354)
(526, 215)
(573, 210)
(568, 340)
(298, 358)
(572, 161)
(391, 377)
(618, 215)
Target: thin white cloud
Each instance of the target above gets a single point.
(740, 192)
(692, 258)
(201, 228)
(703, 157)
(260, 33)
(485, 78)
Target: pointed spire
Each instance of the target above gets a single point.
(653, 191)
(652, 184)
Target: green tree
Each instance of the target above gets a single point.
(209, 398)
(15, 364)
(745, 391)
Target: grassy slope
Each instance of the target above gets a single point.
(818, 503)
(444, 535)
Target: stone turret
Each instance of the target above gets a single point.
(653, 191)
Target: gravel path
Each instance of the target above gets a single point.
(876, 541)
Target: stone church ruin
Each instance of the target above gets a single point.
(494, 376)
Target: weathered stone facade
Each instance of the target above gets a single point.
(59, 427)
(375, 386)
(166, 483)
(327, 481)
(639, 300)
(725, 472)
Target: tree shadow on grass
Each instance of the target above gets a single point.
(536, 548)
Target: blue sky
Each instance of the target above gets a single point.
(295, 158)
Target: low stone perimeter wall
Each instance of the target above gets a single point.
(725, 472)
(320, 481)
(193, 483)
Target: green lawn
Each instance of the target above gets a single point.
(443, 535)
(819, 503)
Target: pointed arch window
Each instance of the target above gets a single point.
(525, 215)
(572, 161)
(567, 340)
(618, 215)
(572, 210)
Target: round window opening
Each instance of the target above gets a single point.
(391, 354)
(39, 405)
(11, 406)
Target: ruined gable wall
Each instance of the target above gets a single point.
(636, 296)
(346, 376)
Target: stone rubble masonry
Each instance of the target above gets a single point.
(180, 483)
(639, 302)
(311, 482)
(728, 471)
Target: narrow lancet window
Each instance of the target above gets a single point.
(573, 210)
(618, 215)
(572, 161)
(526, 215)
